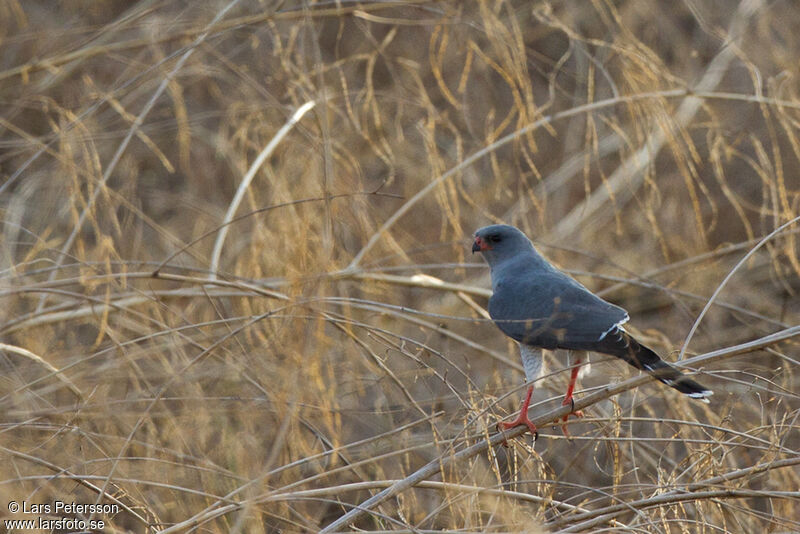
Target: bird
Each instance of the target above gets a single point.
(541, 307)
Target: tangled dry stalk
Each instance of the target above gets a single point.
(237, 290)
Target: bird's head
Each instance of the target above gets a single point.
(500, 242)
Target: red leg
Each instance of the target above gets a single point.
(568, 396)
(522, 418)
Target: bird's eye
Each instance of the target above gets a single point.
(494, 238)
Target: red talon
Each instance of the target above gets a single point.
(522, 418)
(579, 413)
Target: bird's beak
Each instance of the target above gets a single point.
(477, 245)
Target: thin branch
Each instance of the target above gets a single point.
(137, 123)
(444, 461)
(44, 363)
(248, 178)
(727, 278)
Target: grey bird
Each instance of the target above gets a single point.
(540, 307)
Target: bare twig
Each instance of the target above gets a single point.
(248, 178)
(137, 123)
(443, 462)
(730, 274)
(628, 177)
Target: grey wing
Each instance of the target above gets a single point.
(552, 311)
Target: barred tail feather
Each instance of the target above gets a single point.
(620, 344)
(672, 377)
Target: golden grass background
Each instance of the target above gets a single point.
(645, 146)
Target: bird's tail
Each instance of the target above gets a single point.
(675, 379)
(641, 357)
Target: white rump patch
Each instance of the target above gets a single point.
(615, 325)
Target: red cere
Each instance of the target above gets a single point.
(481, 245)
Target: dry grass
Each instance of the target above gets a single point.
(647, 146)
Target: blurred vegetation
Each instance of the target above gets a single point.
(340, 342)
